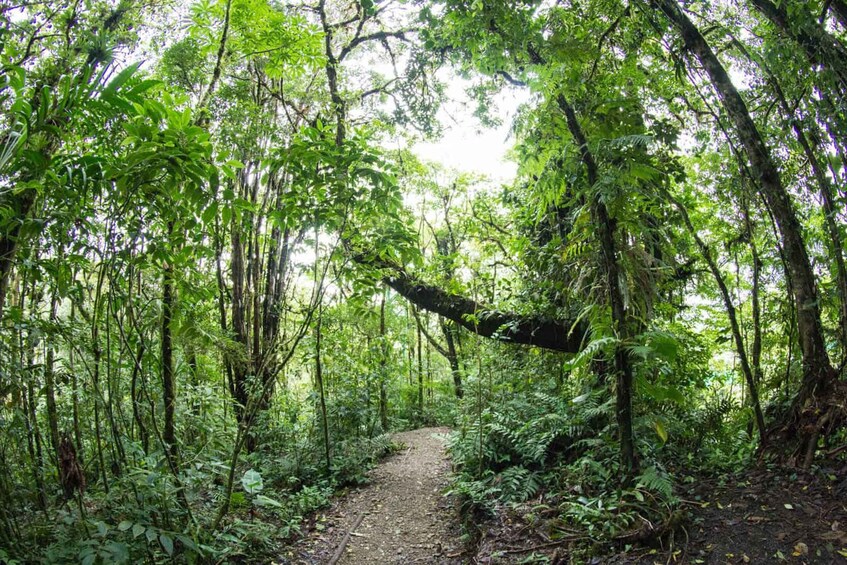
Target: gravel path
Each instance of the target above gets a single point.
(401, 516)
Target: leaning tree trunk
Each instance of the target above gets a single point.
(811, 149)
(818, 374)
(746, 369)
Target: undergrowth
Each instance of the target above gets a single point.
(136, 521)
(547, 461)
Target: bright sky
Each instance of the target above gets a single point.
(466, 145)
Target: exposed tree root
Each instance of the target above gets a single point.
(801, 431)
(650, 532)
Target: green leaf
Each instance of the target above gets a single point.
(660, 429)
(119, 80)
(661, 393)
(187, 542)
(124, 526)
(117, 552)
(137, 530)
(252, 481)
(167, 544)
(262, 500)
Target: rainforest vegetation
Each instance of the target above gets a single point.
(227, 276)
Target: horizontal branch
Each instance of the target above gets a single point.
(557, 335)
(376, 36)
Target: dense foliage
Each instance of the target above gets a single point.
(226, 277)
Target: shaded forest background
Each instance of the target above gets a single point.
(225, 276)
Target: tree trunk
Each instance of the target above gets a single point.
(135, 395)
(818, 375)
(558, 335)
(756, 348)
(319, 382)
(383, 361)
(239, 324)
(420, 374)
(607, 227)
(9, 242)
(746, 370)
(835, 246)
(50, 383)
(168, 377)
(75, 394)
(453, 357)
(34, 444)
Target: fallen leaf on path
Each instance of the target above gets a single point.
(800, 548)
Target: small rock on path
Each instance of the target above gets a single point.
(406, 518)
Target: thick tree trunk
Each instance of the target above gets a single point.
(818, 370)
(811, 148)
(818, 374)
(9, 241)
(557, 335)
(835, 243)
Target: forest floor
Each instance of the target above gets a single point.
(400, 516)
(763, 516)
(757, 516)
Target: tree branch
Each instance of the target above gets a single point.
(558, 335)
(379, 35)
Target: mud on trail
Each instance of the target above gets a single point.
(401, 516)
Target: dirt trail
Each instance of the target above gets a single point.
(400, 517)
